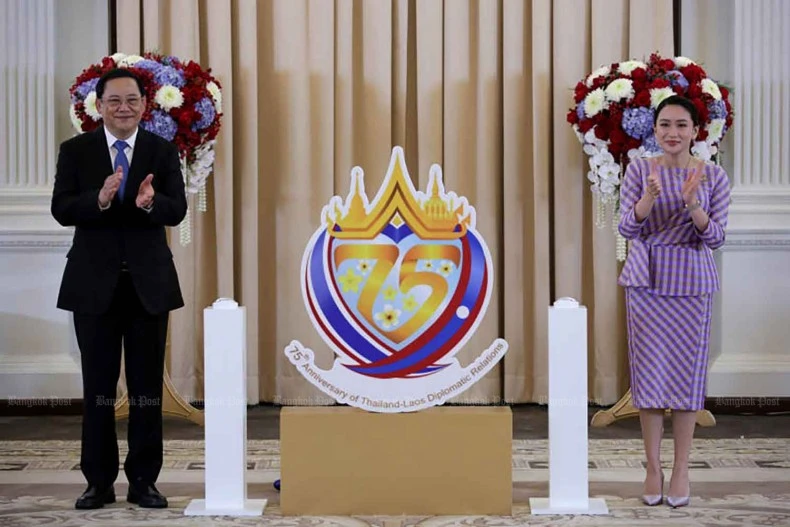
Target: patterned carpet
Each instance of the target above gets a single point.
(736, 482)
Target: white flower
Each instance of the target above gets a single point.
(168, 96)
(627, 67)
(594, 102)
(715, 129)
(388, 317)
(118, 57)
(609, 172)
(577, 132)
(604, 173)
(591, 139)
(591, 150)
(363, 266)
(636, 153)
(608, 187)
(130, 60)
(682, 62)
(703, 150)
(446, 268)
(200, 169)
(216, 94)
(90, 107)
(710, 87)
(603, 157)
(593, 142)
(620, 89)
(75, 121)
(659, 94)
(600, 72)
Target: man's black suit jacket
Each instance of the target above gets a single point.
(123, 235)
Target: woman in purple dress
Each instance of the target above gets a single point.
(674, 211)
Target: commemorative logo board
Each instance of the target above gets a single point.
(396, 285)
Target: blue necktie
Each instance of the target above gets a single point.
(121, 161)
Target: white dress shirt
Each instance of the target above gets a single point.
(111, 145)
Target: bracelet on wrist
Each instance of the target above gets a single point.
(694, 206)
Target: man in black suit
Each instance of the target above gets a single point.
(120, 186)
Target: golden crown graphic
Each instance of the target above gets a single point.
(431, 215)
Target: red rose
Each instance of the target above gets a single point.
(659, 83)
(580, 92)
(693, 73)
(694, 91)
(602, 130)
(617, 136)
(585, 125)
(639, 75)
(572, 117)
(642, 98)
(702, 109)
(632, 143)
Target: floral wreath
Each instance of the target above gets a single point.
(613, 114)
(183, 105)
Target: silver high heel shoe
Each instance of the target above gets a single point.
(651, 500)
(679, 501)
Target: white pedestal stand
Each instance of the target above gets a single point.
(225, 395)
(568, 471)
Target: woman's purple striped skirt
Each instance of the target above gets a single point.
(668, 345)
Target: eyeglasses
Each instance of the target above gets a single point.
(115, 102)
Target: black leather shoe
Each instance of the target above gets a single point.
(146, 495)
(93, 498)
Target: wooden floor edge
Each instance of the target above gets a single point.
(730, 405)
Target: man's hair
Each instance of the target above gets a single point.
(118, 73)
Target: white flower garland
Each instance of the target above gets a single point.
(195, 176)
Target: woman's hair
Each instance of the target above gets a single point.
(678, 100)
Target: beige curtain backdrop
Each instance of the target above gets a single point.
(314, 87)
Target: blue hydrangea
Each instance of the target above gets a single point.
(678, 79)
(162, 74)
(638, 122)
(161, 124)
(86, 87)
(651, 144)
(718, 110)
(207, 113)
(169, 75)
(580, 110)
(148, 65)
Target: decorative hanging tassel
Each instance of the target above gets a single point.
(621, 247)
(185, 229)
(202, 198)
(600, 221)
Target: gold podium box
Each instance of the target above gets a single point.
(448, 460)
